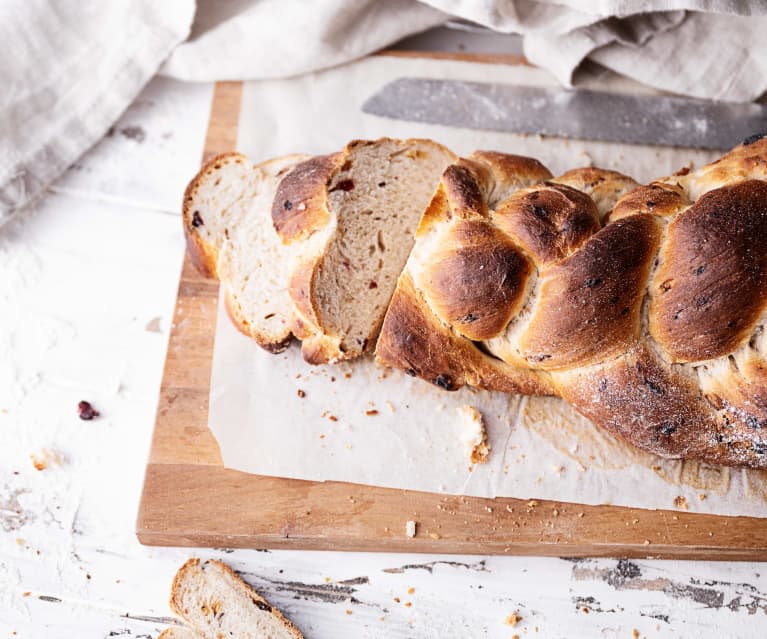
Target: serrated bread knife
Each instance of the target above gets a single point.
(584, 114)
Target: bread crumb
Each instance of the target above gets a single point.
(410, 526)
(300, 393)
(702, 496)
(332, 418)
(371, 412)
(635, 633)
(555, 512)
(513, 619)
(410, 590)
(390, 406)
(474, 435)
(580, 515)
(646, 542)
(434, 535)
(532, 503)
(45, 458)
(396, 599)
(348, 612)
(408, 604)
(348, 375)
(680, 502)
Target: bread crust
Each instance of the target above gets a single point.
(646, 309)
(300, 204)
(595, 298)
(715, 252)
(413, 339)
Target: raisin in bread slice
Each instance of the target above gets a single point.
(351, 217)
(229, 233)
(215, 602)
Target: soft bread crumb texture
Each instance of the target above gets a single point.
(227, 219)
(215, 602)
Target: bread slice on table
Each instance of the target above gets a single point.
(215, 603)
(351, 217)
(229, 234)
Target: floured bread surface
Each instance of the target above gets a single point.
(227, 220)
(356, 213)
(215, 602)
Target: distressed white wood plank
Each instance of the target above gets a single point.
(150, 153)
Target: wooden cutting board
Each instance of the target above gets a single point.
(190, 499)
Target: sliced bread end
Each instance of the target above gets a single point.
(230, 235)
(216, 602)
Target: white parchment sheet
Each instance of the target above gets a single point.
(359, 423)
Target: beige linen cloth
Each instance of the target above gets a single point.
(69, 68)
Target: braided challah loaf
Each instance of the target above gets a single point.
(644, 308)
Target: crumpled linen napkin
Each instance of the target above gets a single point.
(70, 68)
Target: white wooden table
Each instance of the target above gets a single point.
(87, 285)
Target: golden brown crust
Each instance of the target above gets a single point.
(476, 281)
(300, 205)
(641, 399)
(745, 161)
(574, 318)
(602, 186)
(414, 340)
(659, 199)
(637, 397)
(548, 221)
(501, 174)
(708, 293)
(591, 301)
(462, 190)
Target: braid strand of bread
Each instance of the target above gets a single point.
(644, 307)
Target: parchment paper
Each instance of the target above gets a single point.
(359, 423)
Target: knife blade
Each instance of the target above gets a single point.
(585, 114)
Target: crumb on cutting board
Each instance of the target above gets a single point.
(410, 526)
(474, 434)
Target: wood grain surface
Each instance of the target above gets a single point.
(189, 499)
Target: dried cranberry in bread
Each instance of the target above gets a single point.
(644, 308)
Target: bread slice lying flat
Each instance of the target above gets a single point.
(215, 603)
(227, 221)
(352, 217)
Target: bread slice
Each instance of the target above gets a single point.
(352, 216)
(229, 233)
(215, 602)
(178, 632)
